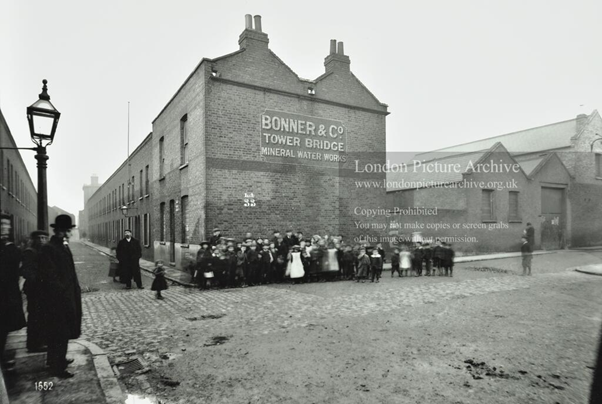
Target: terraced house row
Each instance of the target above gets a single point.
(246, 145)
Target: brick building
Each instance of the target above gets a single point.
(18, 196)
(247, 145)
(128, 186)
(558, 187)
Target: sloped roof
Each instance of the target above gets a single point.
(416, 178)
(530, 163)
(443, 172)
(552, 136)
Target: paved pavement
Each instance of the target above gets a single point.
(172, 274)
(590, 269)
(93, 383)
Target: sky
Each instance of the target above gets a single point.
(450, 71)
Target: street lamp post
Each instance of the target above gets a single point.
(43, 119)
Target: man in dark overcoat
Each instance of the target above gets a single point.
(61, 296)
(11, 304)
(36, 340)
(530, 234)
(129, 253)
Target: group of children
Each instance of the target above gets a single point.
(438, 260)
(223, 262)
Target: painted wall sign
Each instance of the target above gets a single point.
(302, 139)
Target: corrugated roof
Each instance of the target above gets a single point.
(552, 136)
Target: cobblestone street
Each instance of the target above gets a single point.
(128, 322)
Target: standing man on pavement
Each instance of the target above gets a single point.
(36, 340)
(61, 296)
(530, 234)
(527, 256)
(129, 253)
(11, 305)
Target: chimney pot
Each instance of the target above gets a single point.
(340, 49)
(248, 21)
(258, 23)
(333, 46)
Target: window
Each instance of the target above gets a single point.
(122, 194)
(183, 140)
(9, 170)
(487, 208)
(184, 212)
(161, 157)
(162, 221)
(146, 235)
(133, 187)
(141, 193)
(119, 195)
(129, 194)
(513, 206)
(146, 180)
(598, 165)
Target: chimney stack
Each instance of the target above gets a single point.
(257, 23)
(253, 38)
(337, 60)
(94, 179)
(333, 46)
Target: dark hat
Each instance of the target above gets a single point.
(127, 230)
(216, 229)
(38, 233)
(62, 222)
(204, 242)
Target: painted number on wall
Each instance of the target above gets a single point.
(249, 200)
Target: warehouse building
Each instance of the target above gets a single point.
(557, 187)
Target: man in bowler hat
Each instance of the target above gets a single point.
(129, 253)
(61, 296)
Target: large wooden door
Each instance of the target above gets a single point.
(553, 216)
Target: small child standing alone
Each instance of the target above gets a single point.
(159, 283)
(406, 260)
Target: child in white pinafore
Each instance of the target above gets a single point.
(405, 258)
(296, 265)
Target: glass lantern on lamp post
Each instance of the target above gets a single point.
(43, 119)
